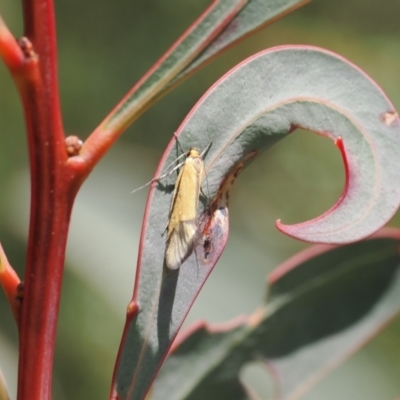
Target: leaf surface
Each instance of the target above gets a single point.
(323, 305)
(262, 100)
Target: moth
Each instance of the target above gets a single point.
(182, 231)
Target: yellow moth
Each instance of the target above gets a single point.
(182, 229)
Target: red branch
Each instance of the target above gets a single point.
(52, 194)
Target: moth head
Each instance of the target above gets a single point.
(193, 152)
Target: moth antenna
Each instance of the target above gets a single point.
(143, 186)
(159, 177)
(176, 159)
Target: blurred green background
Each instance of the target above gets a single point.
(104, 47)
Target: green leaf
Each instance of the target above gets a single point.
(183, 51)
(324, 304)
(221, 25)
(252, 107)
(255, 15)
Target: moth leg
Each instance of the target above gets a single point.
(165, 229)
(204, 195)
(179, 143)
(205, 151)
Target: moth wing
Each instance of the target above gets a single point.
(182, 226)
(176, 189)
(180, 244)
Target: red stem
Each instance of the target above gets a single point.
(52, 195)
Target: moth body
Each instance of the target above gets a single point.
(182, 229)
